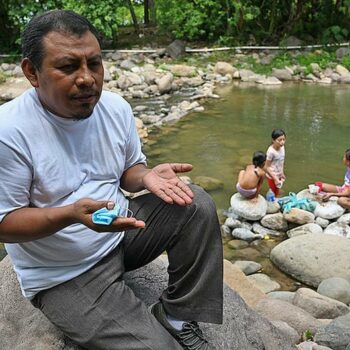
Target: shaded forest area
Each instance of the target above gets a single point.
(214, 22)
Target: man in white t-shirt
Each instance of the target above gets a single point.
(66, 150)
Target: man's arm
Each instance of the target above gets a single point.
(28, 224)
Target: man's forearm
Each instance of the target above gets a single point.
(28, 224)
(131, 180)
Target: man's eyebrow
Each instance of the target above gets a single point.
(96, 57)
(74, 59)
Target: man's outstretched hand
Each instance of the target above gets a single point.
(164, 183)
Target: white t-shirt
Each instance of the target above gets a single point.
(277, 160)
(48, 161)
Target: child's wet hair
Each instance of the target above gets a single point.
(347, 154)
(276, 133)
(259, 158)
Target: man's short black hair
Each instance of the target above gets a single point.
(65, 21)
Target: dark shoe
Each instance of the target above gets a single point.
(190, 337)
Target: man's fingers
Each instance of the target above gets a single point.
(120, 224)
(181, 167)
(185, 189)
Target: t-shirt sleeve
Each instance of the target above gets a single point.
(15, 179)
(134, 153)
(269, 154)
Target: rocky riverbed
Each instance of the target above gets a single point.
(314, 248)
(142, 77)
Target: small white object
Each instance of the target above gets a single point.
(280, 184)
(313, 189)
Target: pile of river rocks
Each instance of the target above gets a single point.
(154, 76)
(316, 252)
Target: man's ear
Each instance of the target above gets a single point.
(30, 72)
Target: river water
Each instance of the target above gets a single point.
(221, 140)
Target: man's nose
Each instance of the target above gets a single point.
(84, 77)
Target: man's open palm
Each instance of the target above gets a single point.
(163, 182)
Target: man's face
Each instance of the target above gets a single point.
(70, 79)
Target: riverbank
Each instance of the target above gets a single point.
(192, 77)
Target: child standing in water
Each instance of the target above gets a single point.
(250, 180)
(339, 191)
(275, 161)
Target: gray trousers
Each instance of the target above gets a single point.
(99, 312)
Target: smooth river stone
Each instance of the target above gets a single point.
(313, 257)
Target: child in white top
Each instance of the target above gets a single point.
(275, 161)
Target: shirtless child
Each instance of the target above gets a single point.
(250, 180)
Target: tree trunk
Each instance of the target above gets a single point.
(152, 12)
(146, 12)
(133, 15)
(8, 33)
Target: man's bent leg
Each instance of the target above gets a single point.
(99, 312)
(191, 236)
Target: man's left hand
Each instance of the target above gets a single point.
(163, 182)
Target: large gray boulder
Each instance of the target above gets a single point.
(313, 257)
(176, 49)
(22, 327)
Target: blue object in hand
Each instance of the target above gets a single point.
(104, 216)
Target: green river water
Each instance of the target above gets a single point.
(221, 140)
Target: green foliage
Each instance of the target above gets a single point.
(308, 335)
(323, 58)
(227, 22)
(193, 20)
(345, 61)
(105, 15)
(335, 34)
